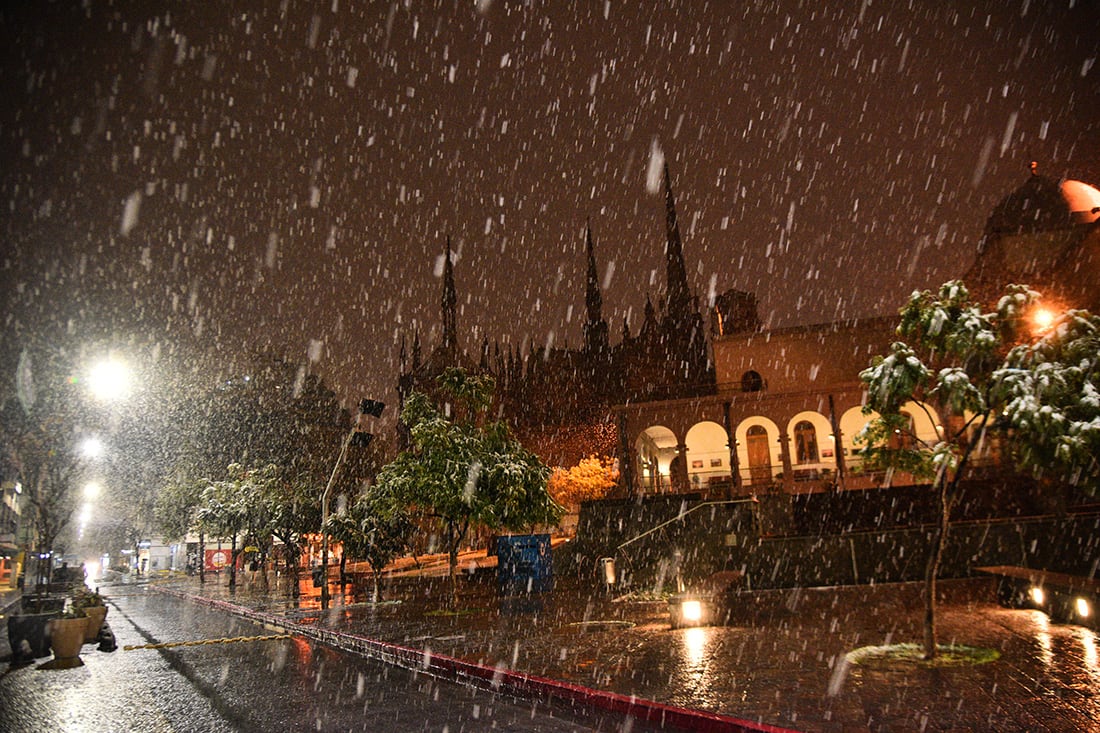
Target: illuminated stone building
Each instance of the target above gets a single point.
(759, 412)
(787, 402)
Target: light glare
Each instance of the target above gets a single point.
(109, 380)
(1038, 597)
(1084, 610)
(92, 448)
(1043, 318)
(691, 611)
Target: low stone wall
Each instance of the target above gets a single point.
(724, 537)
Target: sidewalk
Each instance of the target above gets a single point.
(780, 663)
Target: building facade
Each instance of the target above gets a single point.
(560, 401)
(729, 409)
(787, 404)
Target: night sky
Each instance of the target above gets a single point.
(266, 175)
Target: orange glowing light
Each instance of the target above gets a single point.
(1043, 318)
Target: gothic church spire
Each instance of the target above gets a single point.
(678, 296)
(450, 333)
(595, 328)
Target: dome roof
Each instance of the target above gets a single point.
(1083, 201)
(1045, 204)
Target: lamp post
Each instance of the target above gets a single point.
(354, 437)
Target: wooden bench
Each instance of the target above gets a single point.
(1064, 597)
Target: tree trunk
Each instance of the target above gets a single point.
(343, 569)
(263, 571)
(292, 560)
(932, 570)
(202, 556)
(233, 562)
(452, 563)
(376, 590)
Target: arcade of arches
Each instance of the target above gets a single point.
(787, 444)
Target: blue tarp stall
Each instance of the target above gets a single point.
(524, 565)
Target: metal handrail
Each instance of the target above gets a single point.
(680, 516)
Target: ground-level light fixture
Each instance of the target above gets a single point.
(1037, 596)
(686, 611)
(1082, 607)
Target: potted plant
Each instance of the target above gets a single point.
(28, 633)
(67, 637)
(91, 603)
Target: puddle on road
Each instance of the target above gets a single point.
(589, 627)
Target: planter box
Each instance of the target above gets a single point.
(29, 635)
(96, 616)
(67, 637)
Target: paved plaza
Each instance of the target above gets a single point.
(781, 661)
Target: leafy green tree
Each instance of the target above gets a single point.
(949, 362)
(376, 529)
(1050, 390)
(463, 469)
(240, 506)
(176, 507)
(268, 413)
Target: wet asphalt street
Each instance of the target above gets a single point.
(287, 684)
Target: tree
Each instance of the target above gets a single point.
(590, 479)
(268, 413)
(956, 350)
(239, 505)
(1051, 395)
(42, 428)
(465, 470)
(376, 529)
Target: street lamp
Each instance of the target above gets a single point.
(92, 448)
(1043, 318)
(109, 380)
(357, 438)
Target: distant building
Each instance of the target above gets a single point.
(787, 402)
(1044, 234)
(759, 412)
(559, 400)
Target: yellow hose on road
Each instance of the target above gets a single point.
(201, 642)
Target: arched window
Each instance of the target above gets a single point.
(805, 442)
(751, 382)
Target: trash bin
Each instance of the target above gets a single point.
(607, 571)
(524, 564)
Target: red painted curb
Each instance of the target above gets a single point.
(500, 679)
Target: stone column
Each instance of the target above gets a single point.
(785, 457)
(731, 445)
(679, 477)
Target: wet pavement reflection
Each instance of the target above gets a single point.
(780, 661)
(247, 684)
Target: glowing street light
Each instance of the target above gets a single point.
(1043, 318)
(92, 448)
(109, 380)
(92, 490)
